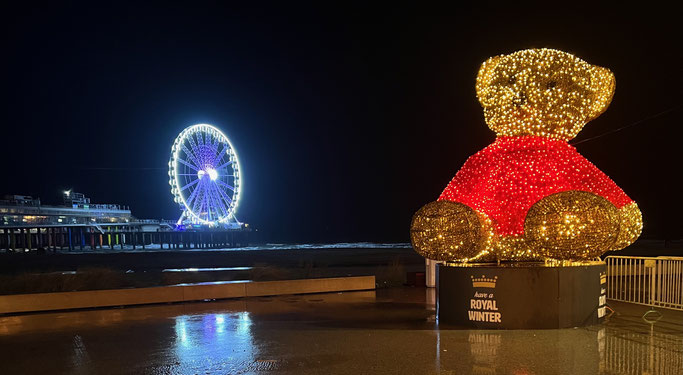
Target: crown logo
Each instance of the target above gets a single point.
(603, 278)
(484, 282)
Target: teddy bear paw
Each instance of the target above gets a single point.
(451, 231)
(572, 225)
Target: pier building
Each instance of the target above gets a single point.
(78, 224)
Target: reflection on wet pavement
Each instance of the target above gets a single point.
(389, 331)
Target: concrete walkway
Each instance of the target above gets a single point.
(388, 331)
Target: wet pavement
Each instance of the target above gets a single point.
(390, 331)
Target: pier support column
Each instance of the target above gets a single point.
(13, 240)
(39, 239)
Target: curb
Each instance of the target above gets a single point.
(21, 303)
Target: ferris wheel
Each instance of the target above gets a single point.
(204, 176)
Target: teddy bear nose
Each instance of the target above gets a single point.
(520, 99)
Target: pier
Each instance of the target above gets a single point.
(80, 237)
(78, 225)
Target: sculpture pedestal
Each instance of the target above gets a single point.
(521, 296)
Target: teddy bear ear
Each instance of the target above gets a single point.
(603, 85)
(485, 76)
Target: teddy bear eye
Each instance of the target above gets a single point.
(551, 84)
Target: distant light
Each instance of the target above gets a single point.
(213, 174)
(67, 192)
(206, 269)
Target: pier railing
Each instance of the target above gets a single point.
(646, 280)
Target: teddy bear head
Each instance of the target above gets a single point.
(542, 92)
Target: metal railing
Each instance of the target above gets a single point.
(628, 352)
(646, 280)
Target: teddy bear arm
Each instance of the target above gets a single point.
(630, 225)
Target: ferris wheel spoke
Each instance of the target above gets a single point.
(191, 156)
(190, 203)
(201, 138)
(225, 207)
(224, 165)
(227, 202)
(217, 200)
(188, 185)
(217, 157)
(193, 140)
(221, 152)
(208, 142)
(208, 205)
(225, 198)
(195, 149)
(211, 149)
(208, 195)
(212, 157)
(188, 164)
(211, 142)
(198, 207)
(209, 202)
(205, 155)
(215, 141)
(226, 185)
(202, 197)
(193, 196)
(206, 201)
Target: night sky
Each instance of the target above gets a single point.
(346, 121)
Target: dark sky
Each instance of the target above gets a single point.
(346, 121)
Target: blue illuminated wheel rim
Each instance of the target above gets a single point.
(204, 175)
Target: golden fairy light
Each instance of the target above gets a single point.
(542, 92)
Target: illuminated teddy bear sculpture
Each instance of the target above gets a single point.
(530, 195)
